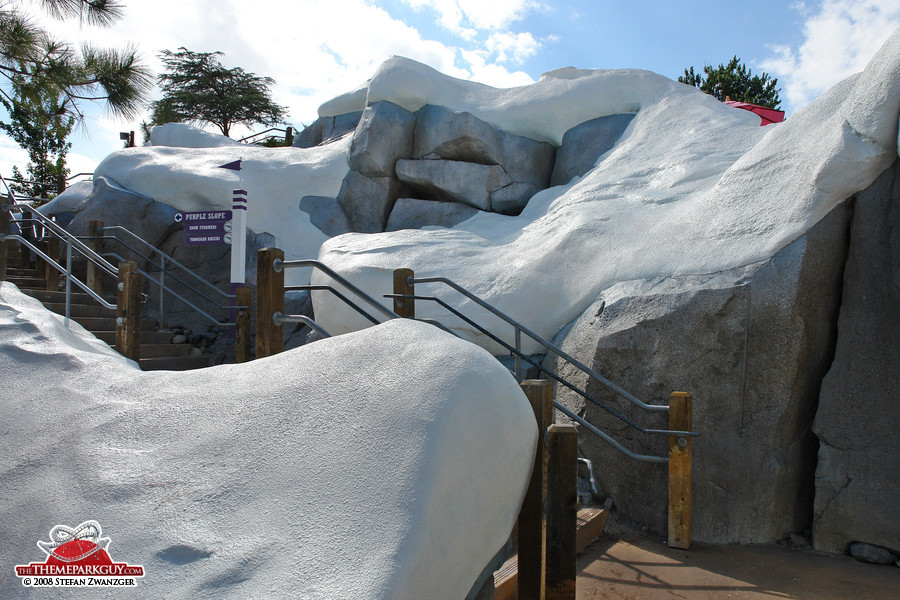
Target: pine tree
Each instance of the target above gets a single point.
(735, 81)
(198, 89)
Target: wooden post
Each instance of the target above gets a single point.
(404, 307)
(51, 274)
(27, 262)
(562, 511)
(4, 254)
(92, 275)
(242, 325)
(128, 311)
(680, 471)
(269, 300)
(532, 524)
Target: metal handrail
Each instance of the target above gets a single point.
(328, 288)
(163, 286)
(540, 367)
(69, 276)
(278, 265)
(280, 319)
(253, 135)
(548, 345)
(160, 267)
(167, 257)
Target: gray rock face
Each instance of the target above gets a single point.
(326, 214)
(751, 345)
(325, 129)
(412, 213)
(511, 199)
(871, 554)
(114, 205)
(857, 484)
(368, 202)
(453, 180)
(384, 135)
(584, 144)
(461, 136)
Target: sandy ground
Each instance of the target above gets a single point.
(641, 568)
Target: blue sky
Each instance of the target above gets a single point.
(316, 49)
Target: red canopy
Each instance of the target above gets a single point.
(768, 115)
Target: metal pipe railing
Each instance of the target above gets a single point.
(328, 288)
(519, 354)
(280, 319)
(53, 263)
(169, 258)
(278, 265)
(548, 345)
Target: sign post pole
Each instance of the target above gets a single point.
(238, 236)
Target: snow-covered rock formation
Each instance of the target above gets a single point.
(687, 222)
(357, 467)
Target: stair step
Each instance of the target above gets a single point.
(81, 310)
(591, 521)
(109, 324)
(147, 337)
(180, 363)
(17, 272)
(28, 282)
(60, 297)
(163, 350)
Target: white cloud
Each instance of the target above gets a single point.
(513, 48)
(462, 16)
(840, 37)
(315, 49)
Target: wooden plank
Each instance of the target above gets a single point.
(680, 471)
(532, 524)
(269, 300)
(131, 334)
(591, 521)
(4, 245)
(125, 267)
(562, 511)
(92, 276)
(242, 325)
(404, 307)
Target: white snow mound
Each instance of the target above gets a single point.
(385, 464)
(182, 135)
(693, 186)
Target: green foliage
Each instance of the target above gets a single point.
(198, 89)
(736, 81)
(28, 52)
(39, 125)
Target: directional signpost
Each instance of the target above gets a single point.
(206, 226)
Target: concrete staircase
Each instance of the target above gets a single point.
(157, 351)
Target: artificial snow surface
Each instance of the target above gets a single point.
(389, 463)
(693, 186)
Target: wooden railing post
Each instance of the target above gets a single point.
(4, 253)
(242, 325)
(128, 311)
(532, 524)
(27, 262)
(680, 471)
(92, 275)
(51, 274)
(269, 300)
(562, 511)
(404, 307)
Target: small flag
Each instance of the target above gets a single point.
(234, 166)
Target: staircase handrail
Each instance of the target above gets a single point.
(548, 345)
(279, 264)
(60, 268)
(167, 257)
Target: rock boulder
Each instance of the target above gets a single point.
(368, 201)
(857, 487)
(412, 213)
(751, 345)
(383, 136)
(454, 181)
(584, 144)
